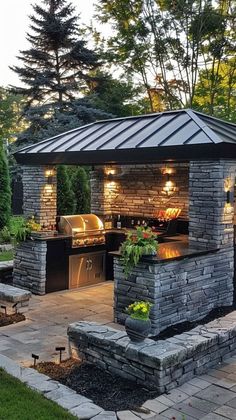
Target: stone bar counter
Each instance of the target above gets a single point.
(182, 282)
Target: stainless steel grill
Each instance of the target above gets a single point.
(85, 229)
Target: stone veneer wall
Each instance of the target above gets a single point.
(138, 189)
(210, 218)
(29, 266)
(188, 289)
(161, 365)
(39, 197)
(184, 290)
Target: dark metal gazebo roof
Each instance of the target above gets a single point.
(171, 135)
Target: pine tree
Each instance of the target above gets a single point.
(81, 188)
(65, 195)
(5, 190)
(55, 71)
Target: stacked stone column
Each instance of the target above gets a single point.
(210, 216)
(40, 196)
(39, 201)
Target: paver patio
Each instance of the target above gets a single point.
(208, 397)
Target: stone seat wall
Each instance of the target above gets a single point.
(160, 365)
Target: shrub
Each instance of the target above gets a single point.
(5, 235)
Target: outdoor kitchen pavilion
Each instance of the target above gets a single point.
(200, 277)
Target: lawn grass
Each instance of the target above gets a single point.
(6, 255)
(18, 402)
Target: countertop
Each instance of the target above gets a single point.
(175, 248)
(49, 236)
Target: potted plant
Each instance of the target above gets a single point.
(142, 242)
(138, 324)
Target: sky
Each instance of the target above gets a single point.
(14, 23)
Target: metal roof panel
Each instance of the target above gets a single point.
(169, 133)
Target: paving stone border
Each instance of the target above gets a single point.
(161, 365)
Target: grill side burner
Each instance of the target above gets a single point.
(85, 229)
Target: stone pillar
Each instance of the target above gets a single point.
(210, 216)
(40, 194)
(29, 267)
(103, 191)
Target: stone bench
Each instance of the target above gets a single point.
(9, 296)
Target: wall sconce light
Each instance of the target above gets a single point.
(49, 176)
(110, 177)
(169, 187)
(229, 197)
(229, 192)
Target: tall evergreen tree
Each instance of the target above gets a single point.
(5, 189)
(55, 71)
(65, 194)
(81, 188)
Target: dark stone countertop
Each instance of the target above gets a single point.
(177, 249)
(49, 236)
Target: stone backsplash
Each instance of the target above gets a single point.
(139, 190)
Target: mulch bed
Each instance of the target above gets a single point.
(187, 326)
(110, 392)
(10, 319)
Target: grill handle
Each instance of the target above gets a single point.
(89, 264)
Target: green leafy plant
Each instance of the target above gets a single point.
(139, 310)
(142, 242)
(5, 235)
(24, 228)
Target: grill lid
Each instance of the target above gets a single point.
(80, 224)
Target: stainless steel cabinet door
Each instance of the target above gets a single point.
(86, 269)
(78, 271)
(96, 272)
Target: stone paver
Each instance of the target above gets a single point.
(227, 411)
(127, 415)
(86, 411)
(217, 394)
(47, 320)
(106, 415)
(207, 397)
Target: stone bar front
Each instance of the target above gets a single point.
(187, 284)
(181, 288)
